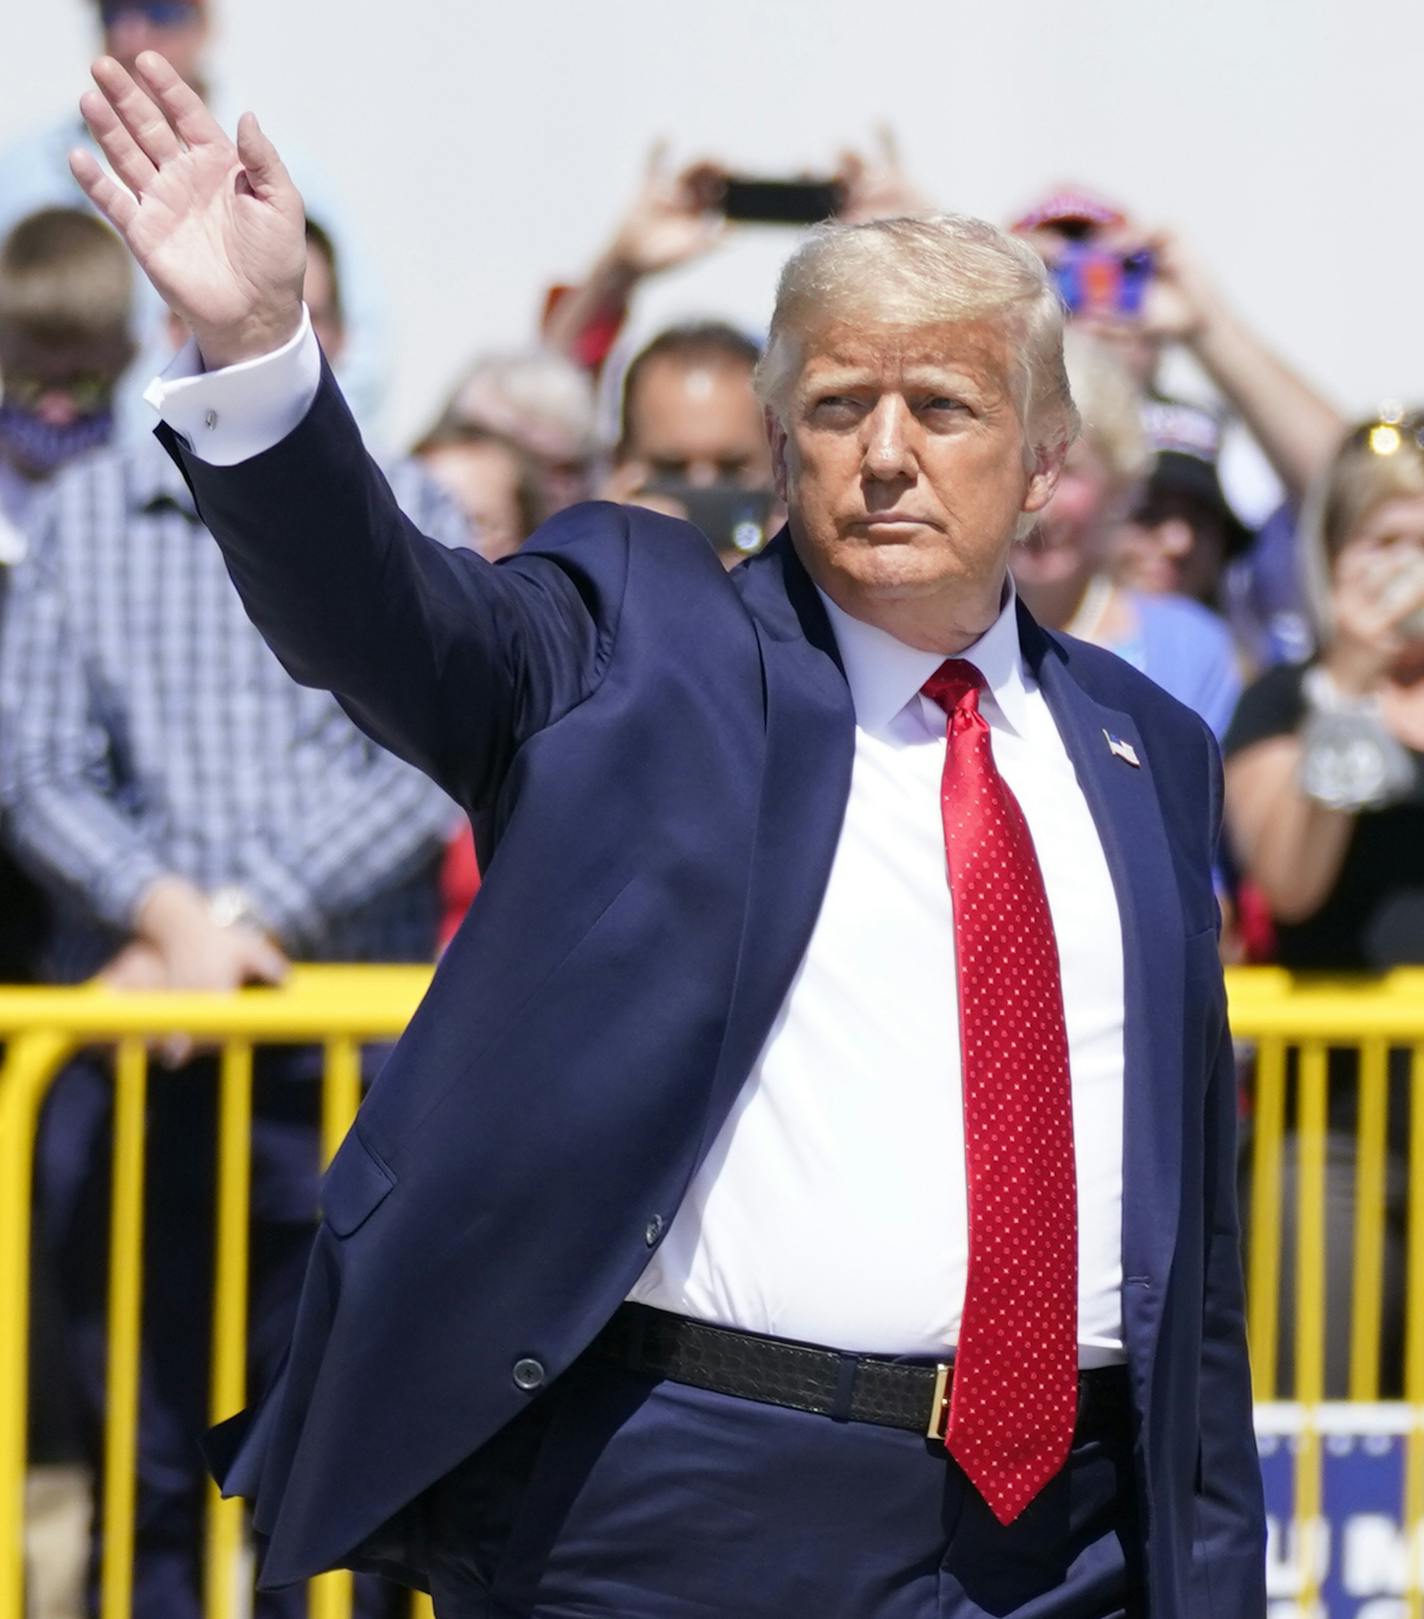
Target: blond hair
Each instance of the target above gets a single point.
(1110, 405)
(1378, 460)
(926, 271)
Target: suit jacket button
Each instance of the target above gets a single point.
(654, 1229)
(528, 1375)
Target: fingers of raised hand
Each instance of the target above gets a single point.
(126, 157)
(136, 115)
(117, 205)
(889, 145)
(182, 106)
(266, 173)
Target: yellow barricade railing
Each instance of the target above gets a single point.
(1285, 1027)
(334, 1007)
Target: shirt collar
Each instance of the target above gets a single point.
(884, 674)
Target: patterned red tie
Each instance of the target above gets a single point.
(1013, 1398)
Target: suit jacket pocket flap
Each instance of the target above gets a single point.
(355, 1186)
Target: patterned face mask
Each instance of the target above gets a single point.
(40, 448)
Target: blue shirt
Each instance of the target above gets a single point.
(146, 729)
(1188, 651)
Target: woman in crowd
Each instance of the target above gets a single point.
(1325, 805)
(493, 480)
(1062, 569)
(1182, 531)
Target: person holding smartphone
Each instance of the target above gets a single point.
(680, 213)
(1325, 805)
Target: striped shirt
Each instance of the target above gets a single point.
(146, 729)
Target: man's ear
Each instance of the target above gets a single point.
(1048, 462)
(776, 438)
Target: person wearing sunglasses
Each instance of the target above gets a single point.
(178, 28)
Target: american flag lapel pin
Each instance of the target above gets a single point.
(1122, 750)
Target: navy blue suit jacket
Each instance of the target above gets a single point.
(658, 755)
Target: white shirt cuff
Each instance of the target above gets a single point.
(230, 415)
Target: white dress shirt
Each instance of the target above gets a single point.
(832, 1205)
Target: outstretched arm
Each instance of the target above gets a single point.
(442, 658)
(1296, 427)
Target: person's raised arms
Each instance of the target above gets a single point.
(217, 227)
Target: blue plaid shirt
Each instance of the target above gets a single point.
(146, 729)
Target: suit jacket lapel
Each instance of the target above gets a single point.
(810, 744)
(1127, 811)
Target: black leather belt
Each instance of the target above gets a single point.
(848, 1388)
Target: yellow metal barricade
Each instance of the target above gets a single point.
(337, 1007)
(1289, 1027)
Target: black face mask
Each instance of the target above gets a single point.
(40, 447)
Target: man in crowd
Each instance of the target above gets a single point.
(692, 440)
(66, 292)
(689, 411)
(200, 820)
(808, 1187)
(34, 173)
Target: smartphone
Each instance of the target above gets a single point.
(781, 202)
(733, 518)
(1100, 281)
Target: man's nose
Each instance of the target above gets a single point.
(888, 448)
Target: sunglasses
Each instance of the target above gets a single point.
(159, 13)
(85, 390)
(1388, 433)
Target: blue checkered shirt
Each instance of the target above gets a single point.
(146, 729)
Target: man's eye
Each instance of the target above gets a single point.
(835, 405)
(944, 402)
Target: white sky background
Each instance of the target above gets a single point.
(485, 149)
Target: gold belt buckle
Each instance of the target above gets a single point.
(939, 1405)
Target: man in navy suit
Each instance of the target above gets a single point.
(807, 1188)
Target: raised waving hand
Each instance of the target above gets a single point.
(217, 227)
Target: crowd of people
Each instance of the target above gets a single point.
(178, 811)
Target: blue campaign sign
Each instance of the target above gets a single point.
(1358, 1555)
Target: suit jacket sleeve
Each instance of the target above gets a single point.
(446, 659)
(1228, 1549)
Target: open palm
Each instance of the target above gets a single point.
(217, 226)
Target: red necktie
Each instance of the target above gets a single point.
(1013, 1398)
